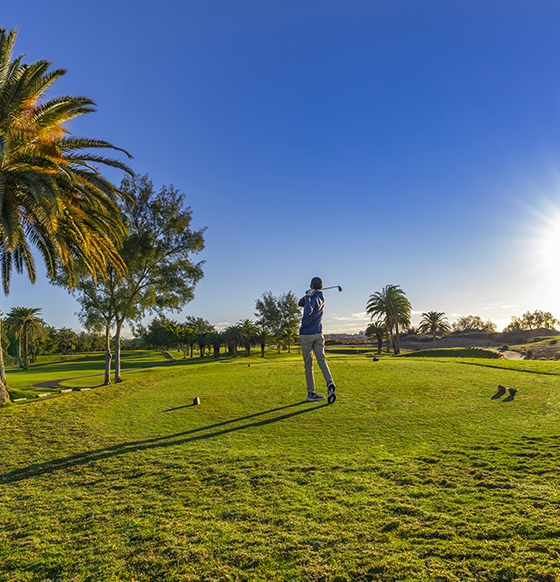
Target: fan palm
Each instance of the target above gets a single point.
(394, 308)
(434, 322)
(52, 196)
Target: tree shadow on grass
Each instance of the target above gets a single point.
(176, 439)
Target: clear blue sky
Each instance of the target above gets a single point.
(370, 142)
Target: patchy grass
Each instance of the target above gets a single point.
(417, 472)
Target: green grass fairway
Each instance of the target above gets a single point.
(88, 369)
(418, 472)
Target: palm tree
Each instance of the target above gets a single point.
(378, 329)
(52, 196)
(23, 321)
(15, 327)
(215, 339)
(288, 336)
(434, 321)
(234, 337)
(394, 308)
(249, 331)
(262, 337)
(202, 341)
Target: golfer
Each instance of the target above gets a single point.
(312, 341)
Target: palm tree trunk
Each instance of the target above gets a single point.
(262, 350)
(20, 363)
(4, 396)
(25, 339)
(118, 352)
(108, 357)
(397, 341)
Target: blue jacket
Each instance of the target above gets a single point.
(312, 320)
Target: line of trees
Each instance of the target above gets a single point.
(390, 313)
(532, 320)
(277, 319)
(25, 336)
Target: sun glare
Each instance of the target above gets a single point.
(548, 254)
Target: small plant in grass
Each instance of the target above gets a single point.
(505, 347)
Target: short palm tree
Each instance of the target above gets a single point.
(434, 322)
(262, 337)
(391, 305)
(52, 196)
(234, 336)
(288, 336)
(377, 330)
(23, 322)
(249, 332)
(215, 339)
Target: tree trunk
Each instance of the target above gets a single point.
(380, 345)
(262, 350)
(118, 352)
(4, 396)
(397, 341)
(248, 351)
(434, 340)
(216, 351)
(25, 347)
(20, 363)
(108, 357)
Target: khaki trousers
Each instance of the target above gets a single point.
(314, 344)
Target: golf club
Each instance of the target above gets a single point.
(308, 292)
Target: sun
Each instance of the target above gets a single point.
(547, 253)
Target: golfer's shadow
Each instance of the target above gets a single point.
(180, 438)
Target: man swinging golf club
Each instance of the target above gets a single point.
(312, 341)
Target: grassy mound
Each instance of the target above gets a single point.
(417, 472)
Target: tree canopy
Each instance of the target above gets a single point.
(276, 314)
(473, 323)
(391, 305)
(532, 320)
(52, 195)
(157, 251)
(434, 322)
